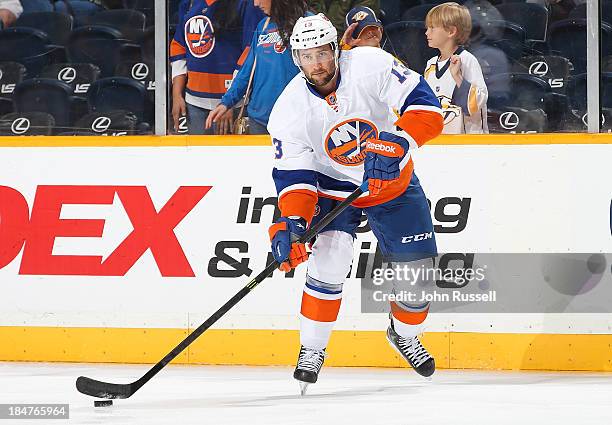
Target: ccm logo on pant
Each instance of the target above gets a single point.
(36, 231)
(416, 238)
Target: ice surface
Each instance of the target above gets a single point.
(269, 395)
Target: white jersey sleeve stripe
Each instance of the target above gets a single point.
(298, 187)
(424, 108)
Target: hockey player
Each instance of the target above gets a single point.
(332, 128)
(455, 75)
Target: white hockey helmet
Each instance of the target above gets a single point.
(313, 31)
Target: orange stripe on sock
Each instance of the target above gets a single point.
(320, 310)
(408, 317)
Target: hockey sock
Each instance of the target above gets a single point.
(320, 306)
(408, 320)
(328, 265)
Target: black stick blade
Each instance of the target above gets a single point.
(104, 390)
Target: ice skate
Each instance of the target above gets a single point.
(413, 352)
(308, 367)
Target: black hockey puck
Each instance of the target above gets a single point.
(103, 403)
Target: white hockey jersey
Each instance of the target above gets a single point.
(465, 107)
(319, 141)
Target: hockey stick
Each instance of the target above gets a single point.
(108, 390)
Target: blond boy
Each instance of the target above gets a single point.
(455, 75)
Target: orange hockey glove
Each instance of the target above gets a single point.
(283, 236)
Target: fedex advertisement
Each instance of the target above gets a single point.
(162, 236)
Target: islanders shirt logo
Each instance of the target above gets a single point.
(272, 39)
(345, 142)
(199, 36)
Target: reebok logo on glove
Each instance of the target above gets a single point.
(385, 148)
(380, 147)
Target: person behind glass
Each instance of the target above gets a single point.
(9, 12)
(274, 67)
(455, 75)
(363, 28)
(212, 39)
(79, 9)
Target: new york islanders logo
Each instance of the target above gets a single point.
(332, 101)
(199, 36)
(345, 141)
(279, 47)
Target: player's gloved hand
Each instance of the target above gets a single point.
(382, 161)
(283, 235)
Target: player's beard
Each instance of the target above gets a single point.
(322, 78)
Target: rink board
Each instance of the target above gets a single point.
(78, 202)
(452, 350)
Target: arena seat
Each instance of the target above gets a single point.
(30, 47)
(577, 93)
(26, 124)
(392, 11)
(130, 23)
(108, 123)
(79, 76)
(56, 25)
(532, 17)
(568, 38)
(101, 46)
(407, 41)
(506, 36)
(6, 106)
(529, 92)
(577, 97)
(11, 74)
(517, 120)
(46, 95)
(109, 94)
(417, 13)
(145, 6)
(553, 69)
(147, 44)
(523, 91)
(142, 72)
